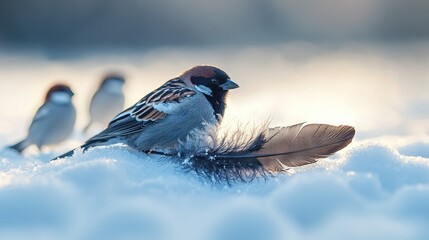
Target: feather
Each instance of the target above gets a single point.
(299, 145)
(242, 155)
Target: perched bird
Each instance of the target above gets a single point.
(244, 155)
(53, 122)
(107, 101)
(165, 116)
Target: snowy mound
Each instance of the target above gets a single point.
(370, 192)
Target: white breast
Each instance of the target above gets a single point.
(60, 97)
(113, 86)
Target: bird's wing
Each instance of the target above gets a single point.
(146, 111)
(41, 113)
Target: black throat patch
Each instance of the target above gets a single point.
(217, 95)
(218, 102)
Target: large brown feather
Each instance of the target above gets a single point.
(300, 144)
(241, 155)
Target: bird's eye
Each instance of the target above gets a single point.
(215, 81)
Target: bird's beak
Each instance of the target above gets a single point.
(71, 93)
(229, 85)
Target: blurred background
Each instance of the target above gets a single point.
(363, 63)
(58, 27)
(342, 62)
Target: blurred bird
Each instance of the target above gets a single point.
(107, 101)
(166, 115)
(53, 122)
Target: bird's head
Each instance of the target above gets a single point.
(113, 82)
(208, 80)
(59, 93)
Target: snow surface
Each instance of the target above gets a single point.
(369, 192)
(377, 188)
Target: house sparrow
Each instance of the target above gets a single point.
(168, 114)
(53, 122)
(107, 101)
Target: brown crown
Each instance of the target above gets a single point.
(205, 71)
(58, 88)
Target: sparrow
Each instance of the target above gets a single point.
(168, 114)
(54, 120)
(107, 101)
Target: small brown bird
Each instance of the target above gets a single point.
(107, 101)
(53, 122)
(165, 116)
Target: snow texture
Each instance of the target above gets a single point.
(369, 192)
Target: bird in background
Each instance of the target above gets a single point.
(168, 114)
(54, 120)
(107, 101)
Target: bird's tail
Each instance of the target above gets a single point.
(20, 146)
(264, 153)
(70, 153)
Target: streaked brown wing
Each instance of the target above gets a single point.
(142, 114)
(145, 110)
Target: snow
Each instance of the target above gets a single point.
(377, 188)
(370, 192)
